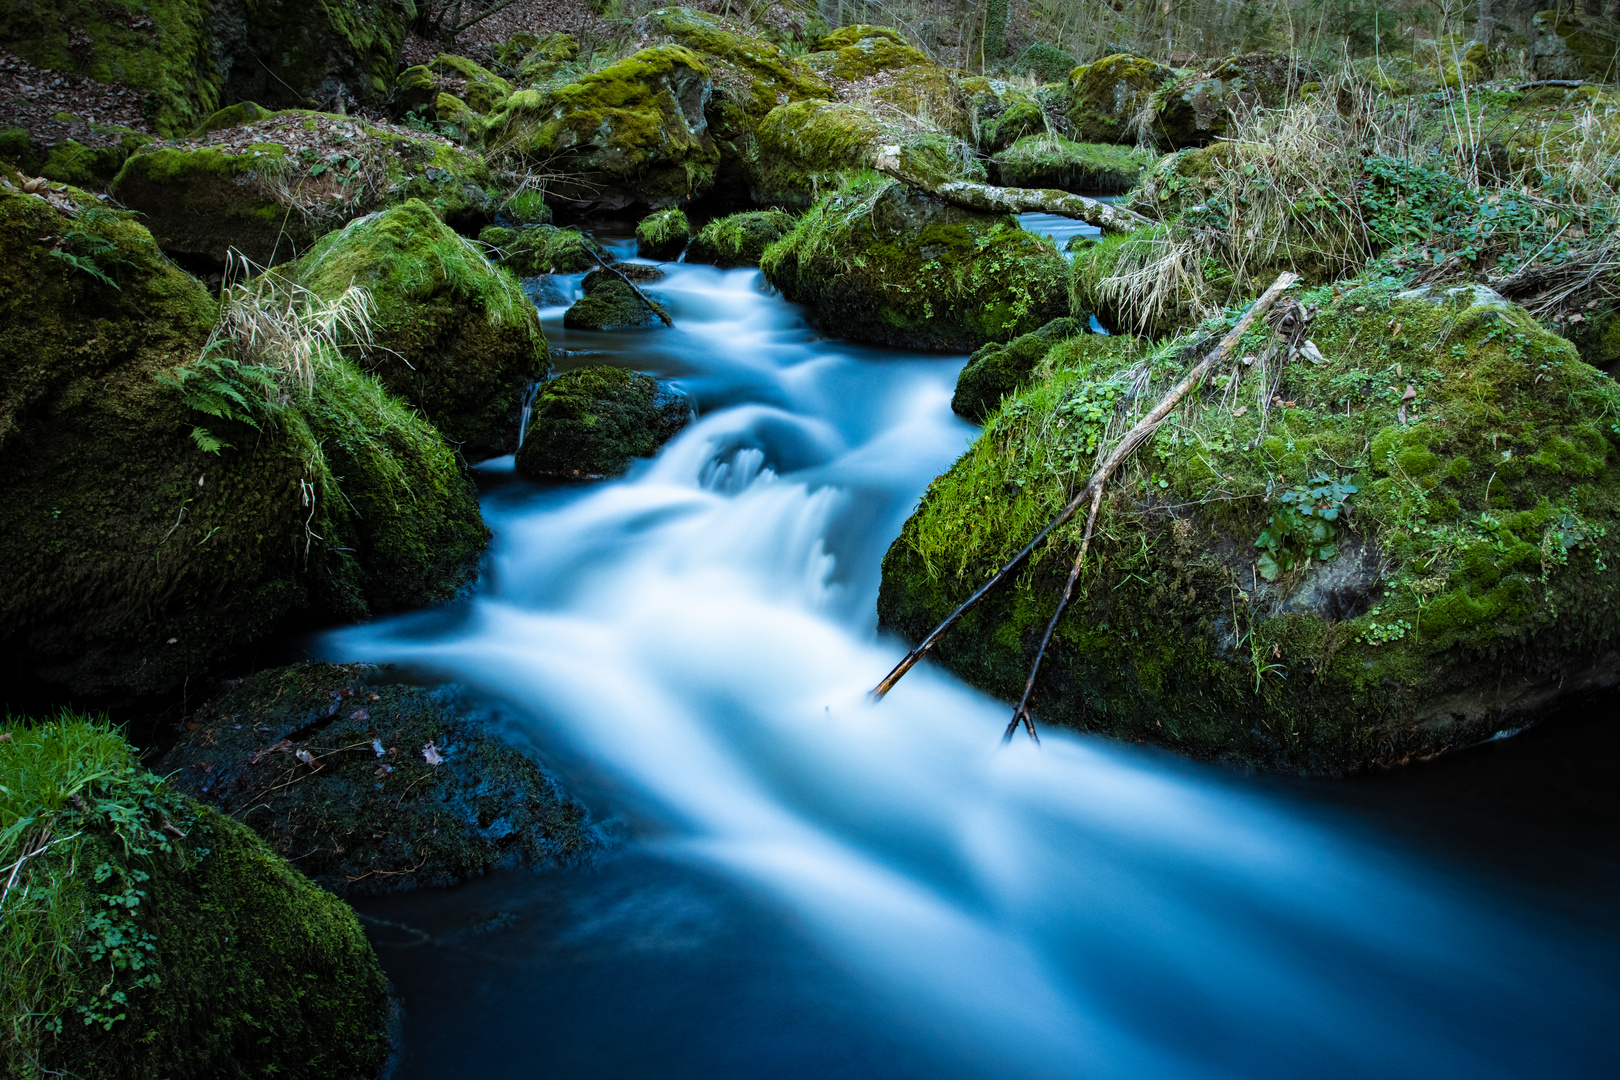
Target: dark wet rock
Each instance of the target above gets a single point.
(294, 752)
(1197, 108)
(1575, 46)
(613, 304)
(594, 421)
(640, 273)
(541, 249)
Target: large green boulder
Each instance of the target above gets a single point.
(270, 188)
(1197, 108)
(453, 335)
(418, 88)
(411, 786)
(188, 57)
(1400, 542)
(883, 262)
(1051, 161)
(1576, 46)
(155, 937)
(592, 422)
(633, 133)
(739, 239)
(1112, 100)
(164, 509)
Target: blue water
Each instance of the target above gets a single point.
(808, 885)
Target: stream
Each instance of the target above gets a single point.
(804, 884)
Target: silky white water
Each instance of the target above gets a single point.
(696, 641)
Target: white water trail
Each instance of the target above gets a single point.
(701, 631)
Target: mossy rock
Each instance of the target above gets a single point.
(365, 822)
(612, 305)
(1394, 75)
(662, 234)
(885, 263)
(999, 369)
(857, 52)
(71, 162)
(631, 134)
(1463, 585)
(1576, 46)
(270, 201)
(238, 115)
(186, 58)
(640, 273)
(1197, 108)
(854, 34)
(1112, 99)
(809, 148)
(592, 422)
(1022, 118)
(480, 90)
(549, 56)
(739, 239)
(1051, 161)
(1047, 63)
(455, 336)
(226, 962)
(134, 558)
(543, 249)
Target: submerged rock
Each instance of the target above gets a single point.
(1403, 545)
(456, 337)
(151, 533)
(171, 941)
(739, 239)
(270, 188)
(885, 263)
(631, 134)
(1051, 161)
(662, 234)
(593, 422)
(403, 787)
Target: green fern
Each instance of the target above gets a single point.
(219, 386)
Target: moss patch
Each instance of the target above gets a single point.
(169, 941)
(1111, 100)
(1051, 161)
(739, 239)
(1468, 573)
(594, 421)
(999, 369)
(361, 822)
(611, 304)
(882, 262)
(455, 336)
(662, 234)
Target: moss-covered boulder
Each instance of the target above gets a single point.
(1400, 542)
(454, 335)
(1001, 113)
(419, 87)
(404, 786)
(542, 58)
(1051, 161)
(856, 52)
(631, 134)
(1112, 99)
(611, 303)
(1001, 368)
(810, 148)
(739, 239)
(882, 262)
(152, 530)
(1197, 108)
(543, 249)
(156, 937)
(1576, 46)
(187, 57)
(269, 189)
(1046, 63)
(592, 422)
(663, 234)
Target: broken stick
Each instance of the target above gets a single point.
(657, 309)
(1127, 445)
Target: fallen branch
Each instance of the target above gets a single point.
(1006, 200)
(657, 309)
(1127, 445)
(1549, 82)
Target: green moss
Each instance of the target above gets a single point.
(167, 939)
(526, 206)
(854, 34)
(1468, 575)
(1022, 118)
(592, 422)
(611, 305)
(238, 115)
(1575, 46)
(543, 249)
(484, 90)
(867, 52)
(752, 71)
(1106, 99)
(369, 822)
(549, 56)
(133, 558)
(1051, 161)
(997, 370)
(739, 239)
(630, 133)
(882, 262)
(1047, 63)
(662, 234)
(456, 337)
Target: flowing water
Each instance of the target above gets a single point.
(810, 885)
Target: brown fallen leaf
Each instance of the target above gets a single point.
(431, 755)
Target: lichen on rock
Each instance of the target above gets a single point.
(453, 335)
(592, 422)
(882, 262)
(1461, 583)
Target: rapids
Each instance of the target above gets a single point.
(806, 884)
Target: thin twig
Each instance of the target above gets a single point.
(1127, 445)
